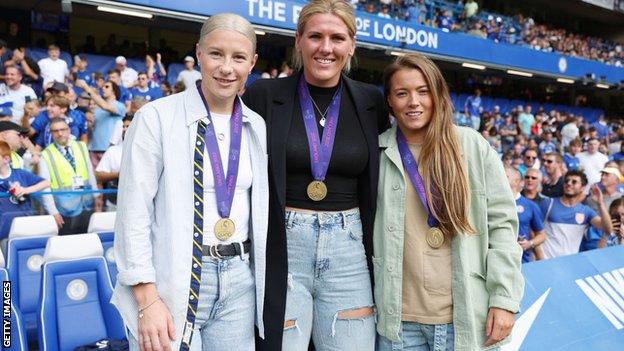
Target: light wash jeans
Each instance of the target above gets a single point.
(327, 275)
(421, 337)
(226, 308)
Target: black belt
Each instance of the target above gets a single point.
(229, 250)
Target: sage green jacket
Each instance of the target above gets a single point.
(485, 266)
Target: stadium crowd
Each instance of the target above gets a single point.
(466, 16)
(61, 129)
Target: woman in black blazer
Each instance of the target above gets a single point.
(322, 130)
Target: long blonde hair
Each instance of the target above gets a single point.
(338, 8)
(443, 170)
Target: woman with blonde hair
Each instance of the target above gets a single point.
(192, 214)
(323, 167)
(447, 264)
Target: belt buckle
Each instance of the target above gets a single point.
(214, 253)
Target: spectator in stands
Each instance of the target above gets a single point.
(67, 166)
(29, 68)
(548, 144)
(56, 107)
(472, 108)
(567, 219)
(165, 88)
(12, 90)
(532, 183)
(3, 57)
(144, 90)
(570, 131)
(125, 96)
(53, 68)
(529, 156)
(127, 74)
(571, 159)
(19, 183)
(189, 75)
(178, 87)
(477, 31)
(609, 185)
(107, 171)
(552, 185)
(80, 69)
(616, 237)
(446, 22)
(385, 12)
(286, 70)
(11, 134)
(156, 72)
(526, 120)
(470, 10)
(592, 161)
(531, 227)
(508, 131)
(618, 155)
(107, 112)
(602, 129)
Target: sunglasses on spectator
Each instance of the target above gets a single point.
(529, 177)
(548, 161)
(571, 181)
(530, 157)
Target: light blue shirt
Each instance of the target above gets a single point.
(104, 124)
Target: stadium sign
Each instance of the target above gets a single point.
(282, 15)
(572, 303)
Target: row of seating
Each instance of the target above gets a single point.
(506, 105)
(54, 279)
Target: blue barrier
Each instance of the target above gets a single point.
(66, 192)
(573, 302)
(283, 14)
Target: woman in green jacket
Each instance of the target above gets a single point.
(446, 259)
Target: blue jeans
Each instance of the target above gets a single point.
(226, 308)
(420, 337)
(327, 275)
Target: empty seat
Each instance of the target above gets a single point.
(25, 248)
(33, 225)
(107, 239)
(6, 219)
(102, 222)
(76, 282)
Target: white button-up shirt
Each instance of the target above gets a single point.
(154, 226)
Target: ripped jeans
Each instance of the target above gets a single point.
(329, 294)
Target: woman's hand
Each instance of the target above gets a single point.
(156, 330)
(498, 326)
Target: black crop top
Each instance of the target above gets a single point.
(348, 160)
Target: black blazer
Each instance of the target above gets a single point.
(273, 99)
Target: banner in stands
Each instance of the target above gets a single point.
(283, 14)
(573, 302)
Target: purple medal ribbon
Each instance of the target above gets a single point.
(224, 186)
(411, 167)
(320, 150)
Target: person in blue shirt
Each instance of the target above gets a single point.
(571, 160)
(445, 21)
(602, 128)
(109, 110)
(145, 90)
(57, 107)
(81, 72)
(531, 227)
(472, 108)
(18, 183)
(616, 237)
(547, 145)
(125, 96)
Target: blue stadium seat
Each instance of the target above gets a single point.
(25, 256)
(107, 239)
(76, 282)
(172, 72)
(7, 218)
(19, 341)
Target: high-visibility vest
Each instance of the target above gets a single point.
(61, 171)
(17, 162)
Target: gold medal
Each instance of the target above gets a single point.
(317, 190)
(435, 238)
(224, 229)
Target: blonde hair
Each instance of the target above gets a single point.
(338, 8)
(229, 21)
(444, 173)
